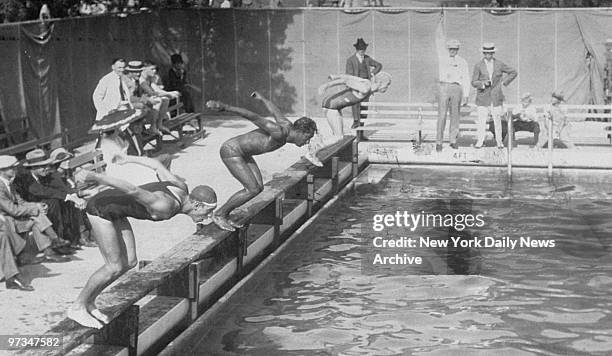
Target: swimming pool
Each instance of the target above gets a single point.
(319, 297)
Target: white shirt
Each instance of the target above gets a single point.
(106, 96)
(489, 65)
(455, 70)
(528, 113)
(359, 58)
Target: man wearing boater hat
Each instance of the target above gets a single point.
(42, 183)
(363, 66)
(25, 217)
(488, 79)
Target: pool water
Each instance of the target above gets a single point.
(319, 297)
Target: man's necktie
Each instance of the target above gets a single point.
(121, 90)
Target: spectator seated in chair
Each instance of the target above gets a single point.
(64, 181)
(524, 119)
(160, 99)
(42, 182)
(177, 81)
(555, 119)
(27, 217)
(142, 100)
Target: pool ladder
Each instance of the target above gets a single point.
(550, 147)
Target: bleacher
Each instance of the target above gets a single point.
(590, 124)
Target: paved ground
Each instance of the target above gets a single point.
(58, 284)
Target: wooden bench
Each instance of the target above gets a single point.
(195, 273)
(178, 122)
(92, 161)
(418, 121)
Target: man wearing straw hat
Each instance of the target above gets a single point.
(25, 217)
(363, 66)
(454, 90)
(488, 79)
(43, 183)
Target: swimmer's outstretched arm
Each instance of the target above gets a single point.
(272, 128)
(278, 116)
(162, 172)
(143, 196)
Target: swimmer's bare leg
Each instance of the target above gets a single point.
(113, 248)
(245, 170)
(334, 119)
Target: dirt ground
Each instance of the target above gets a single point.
(57, 284)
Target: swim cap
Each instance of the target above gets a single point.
(383, 77)
(204, 194)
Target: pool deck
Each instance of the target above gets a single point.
(58, 284)
(522, 156)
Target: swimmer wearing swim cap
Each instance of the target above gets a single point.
(108, 212)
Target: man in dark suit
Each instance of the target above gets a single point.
(488, 79)
(363, 66)
(43, 183)
(25, 217)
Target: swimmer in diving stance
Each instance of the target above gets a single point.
(347, 90)
(237, 153)
(108, 212)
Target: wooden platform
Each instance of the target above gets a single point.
(196, 272)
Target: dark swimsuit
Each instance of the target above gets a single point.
(232, 147)
(341, 99)
(114, 204)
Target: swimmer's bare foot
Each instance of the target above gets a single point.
(313, 159)
(235, 224)
(81, 316)
(215, 105)
(223, 223)
(96, 313)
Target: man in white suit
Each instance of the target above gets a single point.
(111, 90)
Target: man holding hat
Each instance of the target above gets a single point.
(488, 79)
(363, 66)
(25, 217)
(454, 91)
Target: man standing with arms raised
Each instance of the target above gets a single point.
(454, 91)
(488, 79)
(359, 65)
